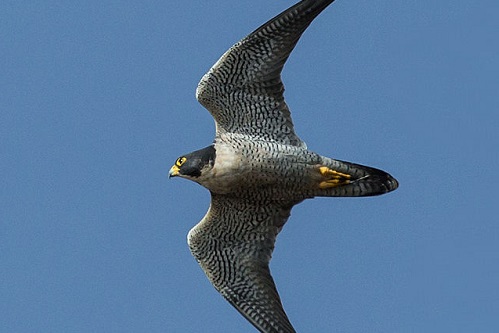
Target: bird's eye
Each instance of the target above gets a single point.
(181, 161)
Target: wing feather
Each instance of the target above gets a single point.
(233, 244)
(243, 90)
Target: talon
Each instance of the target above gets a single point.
(334, 178)
(326, 172)
(333, 183)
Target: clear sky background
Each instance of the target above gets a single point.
(97, 101)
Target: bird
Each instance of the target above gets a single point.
(257, 168)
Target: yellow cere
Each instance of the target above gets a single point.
(174, 171)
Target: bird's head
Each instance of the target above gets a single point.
(195, 164)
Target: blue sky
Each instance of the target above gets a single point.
(97, 102)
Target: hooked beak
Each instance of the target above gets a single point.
(173, 171)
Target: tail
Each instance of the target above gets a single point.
(345, 179)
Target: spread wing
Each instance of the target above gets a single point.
(233, 244)
(243, 91)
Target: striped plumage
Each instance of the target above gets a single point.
(257, 168)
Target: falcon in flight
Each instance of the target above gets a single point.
(257, 168)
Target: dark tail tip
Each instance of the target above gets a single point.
(377, 181)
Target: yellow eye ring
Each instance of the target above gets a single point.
(180, 161)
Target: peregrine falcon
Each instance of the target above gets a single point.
(257, 168)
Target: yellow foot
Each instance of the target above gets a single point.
(333, 178)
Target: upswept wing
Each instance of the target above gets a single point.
(233, 244)
(243, 91)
